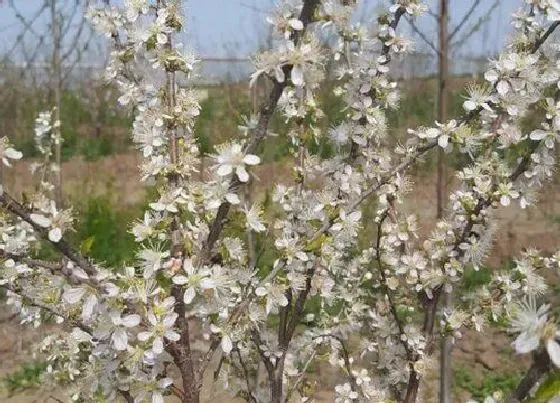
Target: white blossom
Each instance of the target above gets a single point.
(232, 159)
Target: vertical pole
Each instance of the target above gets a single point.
(442, 99)
(446, 342)
(56, 91)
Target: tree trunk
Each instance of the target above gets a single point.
(276, 390)
(56, 92)
(442, 101)
(276, 383)
(412, 389)
(446, 342)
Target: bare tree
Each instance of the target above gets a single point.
(67, 37)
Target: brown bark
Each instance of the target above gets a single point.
(56, 92)
(541, 365)
(442, 100)
(446, 342)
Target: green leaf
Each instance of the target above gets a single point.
(86, 245)
(550, 388)
(314, 245)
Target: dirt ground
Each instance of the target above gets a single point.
(535, 227)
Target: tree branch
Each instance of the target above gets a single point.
(541, 365)
(259, 133)
(422, 36)
(431, 304)
(544, 37)
(51, 266)
(19, 210)
(385, 51)
(250, 395)
(482, 20)
(127, 396)
(387, 291)
(32, 302)
(465, 19)
(345, 357)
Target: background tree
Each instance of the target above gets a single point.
(449, 41)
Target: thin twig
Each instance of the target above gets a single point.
(32, 302)
(465, 19)
(345, 357)
(476, 27)
(259, 133)
(16, 208)
(422, 35)
(541, 365)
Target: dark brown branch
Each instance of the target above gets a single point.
(181, 349)
(256, 338)
(345, 357)
(259, 133)
(27, 300)
(297, 312)
(387, 291)
(51, 266)
(544, 37)
(16, 208)
(127, 396)
(182, 354)
(393, 24)
(283, 316)
(250, 396)
(541, 365)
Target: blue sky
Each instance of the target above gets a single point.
(219, 28)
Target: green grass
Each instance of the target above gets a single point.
(27, 376)
(103, 231)
(473, 279)
(483, 386)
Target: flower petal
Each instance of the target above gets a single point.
(120, 340)
(207, 283)
(131, 320)
(158, 345)
(180, 280)
(224, 170)
(526, 342)
(73, 295)
(227, 344)
(251, 159)
(89, 306)
(553, 351)
(189, 295)
(55, 234)
(232, 198)
(297, 75)
(242, 174)
(296, 24)
(40, 220)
